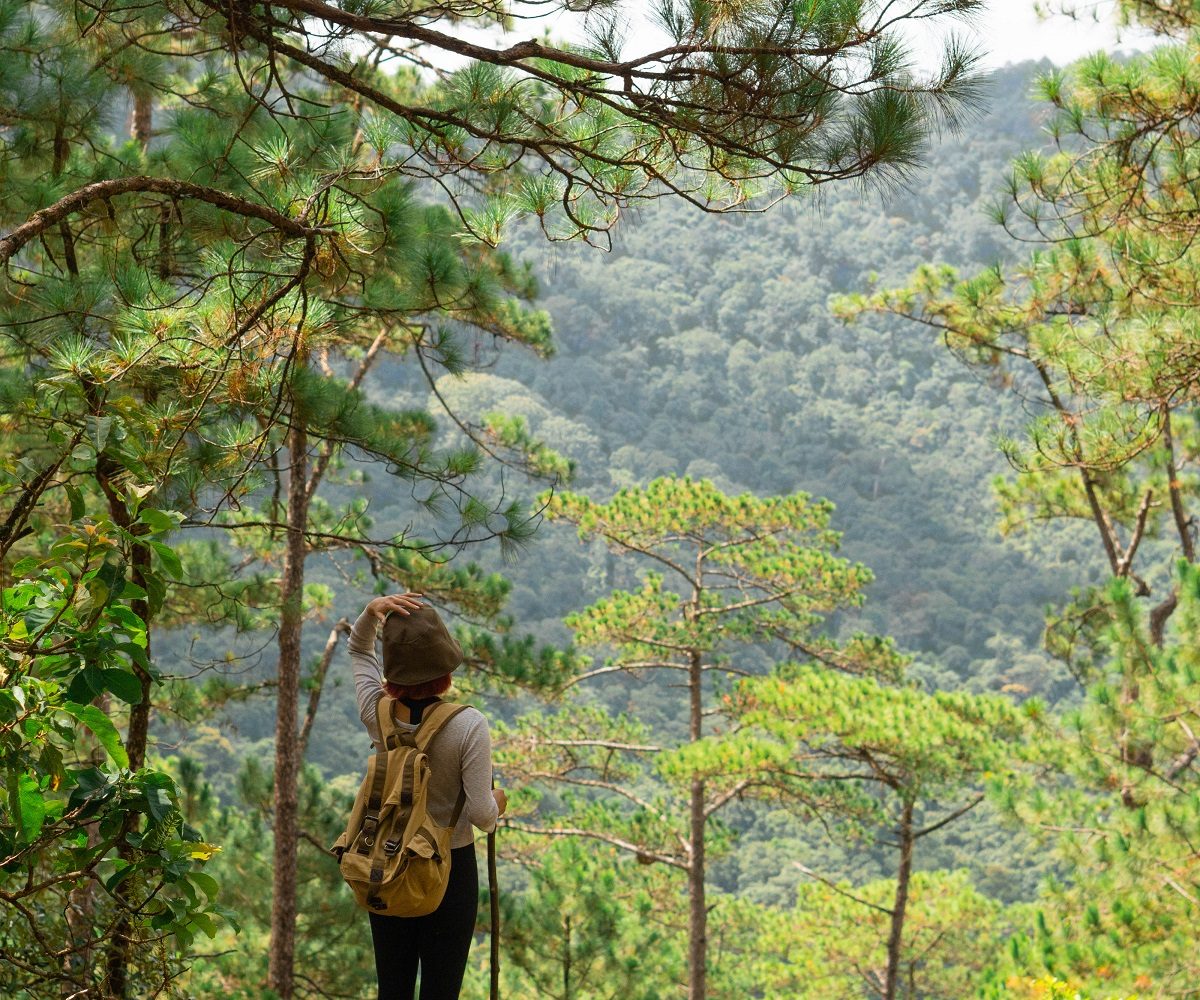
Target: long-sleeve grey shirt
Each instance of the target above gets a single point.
(460, 756)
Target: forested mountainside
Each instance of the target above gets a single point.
(828, 575)
(705, 346)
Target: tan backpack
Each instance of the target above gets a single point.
(393, 855)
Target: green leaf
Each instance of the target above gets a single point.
(103, 729)
(98, 431)
(169, 559)
(206, 884)
(32, 808)
(124, 615)
(205, 923)
(158, 521)
(123, 684)
(123, 871)
(84, 686)
(25, 567)
(156, 591)
(138, 655)
(159, 803)
(75, 496)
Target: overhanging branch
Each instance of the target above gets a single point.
(45, 218)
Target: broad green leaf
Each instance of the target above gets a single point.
(23, 567)
(32, 808)
(158, 521)
(125, 615)
(98, 430)
(103, 729)
(205, 923)
(123, 684)
(75, 496)
(84, 686)
(203, 881)
(159, 803)
(156, 591)
(170, 560)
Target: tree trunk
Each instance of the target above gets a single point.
(287, 744)
(138, 735)
(697, 906)
(143, 118)
(567, 957)
(903, 875)
(139, 714)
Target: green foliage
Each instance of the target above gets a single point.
(832, 942)
(87, 846)
(589, 926)
(726, 582)
(159, 345)
(1097, 328)
(747, 569)
(333, 940)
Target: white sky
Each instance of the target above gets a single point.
(1009, 31)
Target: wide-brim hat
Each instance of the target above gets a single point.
(418, 647)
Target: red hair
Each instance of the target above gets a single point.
(418, 692)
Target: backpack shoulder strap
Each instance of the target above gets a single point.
(433, 720)
(385, 719)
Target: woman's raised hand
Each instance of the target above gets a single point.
(403, 604)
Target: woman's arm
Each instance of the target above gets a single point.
(368, 686)
(481, 806)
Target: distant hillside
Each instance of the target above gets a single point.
(704, 345)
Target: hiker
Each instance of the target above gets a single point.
(419, 655)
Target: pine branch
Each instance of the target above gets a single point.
(45, 218)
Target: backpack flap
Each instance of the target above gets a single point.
(393, 855)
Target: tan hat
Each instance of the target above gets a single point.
(418, 647)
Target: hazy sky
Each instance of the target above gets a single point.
(1010, 31)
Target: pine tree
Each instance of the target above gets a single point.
(1097, 326)
(725, 580)
(889, 762)
(291, 191)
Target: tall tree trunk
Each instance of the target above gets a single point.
(697, 905)
(143, 118)
(287, 743)
(138, 736)
(567, 957)
(290, 746)
(900, 904)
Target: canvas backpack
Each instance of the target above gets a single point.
(393, 855)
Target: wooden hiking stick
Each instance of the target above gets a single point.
(494, 901)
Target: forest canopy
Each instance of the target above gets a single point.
(800, 443)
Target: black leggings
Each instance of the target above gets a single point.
(438, 943)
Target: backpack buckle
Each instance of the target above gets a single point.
(370, 825)
(390, 847)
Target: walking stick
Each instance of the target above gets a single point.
(494, 900)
